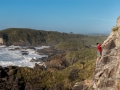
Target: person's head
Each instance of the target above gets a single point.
(97, 43)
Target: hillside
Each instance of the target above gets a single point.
(74, 64)
(25, 36)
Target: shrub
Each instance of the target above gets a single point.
(74, 74)
(115, 28)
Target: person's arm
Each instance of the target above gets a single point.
(102, 45)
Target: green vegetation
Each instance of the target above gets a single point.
(85, 54)
(115, 28)
(65, 78)
(70, 46)
(25, 36)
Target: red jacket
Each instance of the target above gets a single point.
(99, 48)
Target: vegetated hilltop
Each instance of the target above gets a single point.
(25, 36)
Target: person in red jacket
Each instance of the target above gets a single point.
(99, 51)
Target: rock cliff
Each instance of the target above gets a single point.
(107, 71)
(1, 41)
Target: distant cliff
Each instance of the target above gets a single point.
(107, 71)
(25, 36)
(1, 41)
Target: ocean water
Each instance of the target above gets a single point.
(15, 57)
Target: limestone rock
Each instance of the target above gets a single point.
(107, 71)
(118, 21)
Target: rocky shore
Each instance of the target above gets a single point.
(11, 77)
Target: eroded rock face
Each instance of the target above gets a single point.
(107, 71)
(118, 21)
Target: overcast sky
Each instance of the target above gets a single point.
(77, 16)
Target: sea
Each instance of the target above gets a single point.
(13, 57)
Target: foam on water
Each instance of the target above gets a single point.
(15, 58)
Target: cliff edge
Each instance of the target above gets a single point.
(107, 71)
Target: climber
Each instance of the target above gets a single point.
(99, 51)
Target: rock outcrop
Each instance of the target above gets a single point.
(118, 21)
(1, 41)
(107, 71)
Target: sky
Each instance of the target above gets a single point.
(77, 16)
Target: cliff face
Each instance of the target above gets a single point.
(107, 71)
(1, 40)
(118, 21)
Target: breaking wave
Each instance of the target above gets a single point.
(15, 58)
